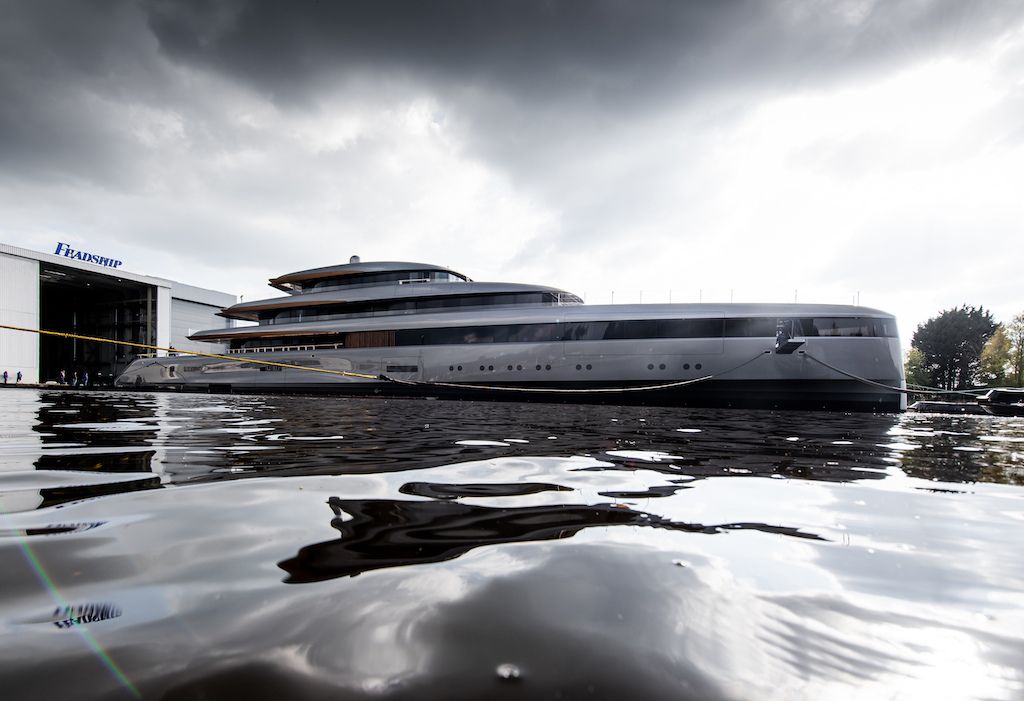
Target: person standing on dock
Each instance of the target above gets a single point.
(17, 379)
(74, 378)
(85, 378)
(61, 377)
(5, 377)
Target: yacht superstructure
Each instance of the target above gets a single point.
(416, 329)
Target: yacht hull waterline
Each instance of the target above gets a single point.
(408, 329)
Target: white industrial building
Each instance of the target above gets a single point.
(86, 294)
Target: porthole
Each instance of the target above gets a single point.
(650, 366)
(509, 367)
(460, 368)
(481, 367)
(538, 367)
(490, 367)
(451, 368)
(698, 366)
(662, 366)
(579, 367)
(686, 366)
(589, 366)
(547, 367)
(519, 367)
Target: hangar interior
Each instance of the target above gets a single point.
(91, 304)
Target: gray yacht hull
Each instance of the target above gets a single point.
(833, 373)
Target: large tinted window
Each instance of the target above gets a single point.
(750, 328)
(643, 328)
(847, 326)
(508, 333)
(690, 328)
(586, 331)
(326, 312)
(380, 278)
(631, 329)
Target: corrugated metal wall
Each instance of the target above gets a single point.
(189, 317)
(164, 312)
(19, 306)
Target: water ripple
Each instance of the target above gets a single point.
(361, 548)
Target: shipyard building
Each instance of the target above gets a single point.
(89, 294)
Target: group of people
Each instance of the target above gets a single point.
(76, 379)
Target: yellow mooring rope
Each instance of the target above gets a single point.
(385, 378)
(61, 334)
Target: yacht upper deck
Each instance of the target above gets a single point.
(397, 295)
(356, 273)
(399, 298)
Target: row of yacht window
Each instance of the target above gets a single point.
(380, 279)
(346, 310)
(758, 327)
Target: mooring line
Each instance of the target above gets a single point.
(387, 378)
(61, 334)
(506, 388)
(595, 390)
(902, 390)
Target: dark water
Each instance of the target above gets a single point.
(169, 546)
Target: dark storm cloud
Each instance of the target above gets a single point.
(538, 48)
(509, 73)
(587, 50)
(53, 62)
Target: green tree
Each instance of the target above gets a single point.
(995, 358)
(952, 343)
(1015, 334)
(915, 368)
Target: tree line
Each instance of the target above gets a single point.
(966, 347)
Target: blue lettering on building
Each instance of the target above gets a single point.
(68, 252)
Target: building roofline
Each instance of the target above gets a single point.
(178, 290)
(79, 265)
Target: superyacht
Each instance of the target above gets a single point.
(393, 328)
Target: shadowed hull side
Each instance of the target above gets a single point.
(830, 395)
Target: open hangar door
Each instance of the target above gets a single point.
(92, 304)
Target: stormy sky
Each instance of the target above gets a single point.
(747, 150)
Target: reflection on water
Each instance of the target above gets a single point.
(381, 533)
(422, 549)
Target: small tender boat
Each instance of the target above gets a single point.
(934, 407)
(1003, 401)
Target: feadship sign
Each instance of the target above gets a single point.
(68, 252)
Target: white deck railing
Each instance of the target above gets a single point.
(280, 349)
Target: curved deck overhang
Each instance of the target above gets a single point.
(538, 314)
(249, 311)
(285, 282)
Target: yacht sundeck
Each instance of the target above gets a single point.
(416, 329)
